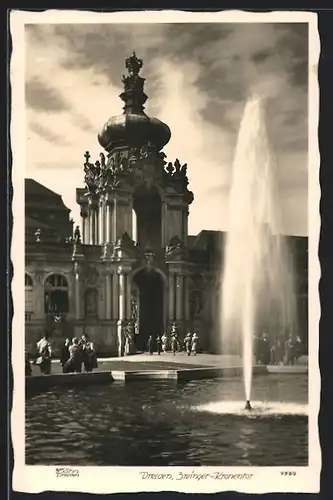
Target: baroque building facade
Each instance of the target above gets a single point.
(122, 275)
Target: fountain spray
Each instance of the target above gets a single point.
(257, 275)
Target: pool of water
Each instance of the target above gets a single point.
(160, 424)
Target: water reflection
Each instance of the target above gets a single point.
(161, 424)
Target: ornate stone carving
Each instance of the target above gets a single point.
(175, 249)
(92, 173)
(91, 274)
(125, 248)
(176, 175)
(174, 243)
(133, 65)
(134, 308)
(196, 303)
(38, 234)
(148, 152)
(77, 269)
(91, 302)
(125, 241)
(83, 212)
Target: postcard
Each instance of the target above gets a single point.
(166, 225)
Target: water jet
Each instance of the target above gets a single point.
(257, 281)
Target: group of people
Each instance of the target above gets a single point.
(165, 343)
(75, 354)
(277, 352)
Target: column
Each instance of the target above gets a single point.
(100, 223)
(164, 225)
(187, 298)
(185, 224)
(108, 294)
(115, 297)
(171, 297)
(108, 229)
(122, 311)
(91, 226)
(96, 214)
(88, 229)
(179, 296)
(84, 230)
(122, 295)
(114, 222)
(128, 297)
(77, 291)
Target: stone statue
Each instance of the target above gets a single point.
(83, 212)
(77, 235)
(134, 304)
(169, 169)
(177, 168)
(175, 242)
(91, 173)
(125, 241)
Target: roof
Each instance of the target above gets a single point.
(34, 188)
(33, 223)
(207, 238)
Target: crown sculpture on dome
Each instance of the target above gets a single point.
(133, 64)
(133, 142)
(133, 95)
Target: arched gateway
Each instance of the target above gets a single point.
(149, 294)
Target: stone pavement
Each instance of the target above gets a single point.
(166, 361)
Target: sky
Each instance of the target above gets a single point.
(198, 77)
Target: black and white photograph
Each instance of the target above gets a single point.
(166, 221)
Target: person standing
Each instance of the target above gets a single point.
(44, 353)
(164, 342)
(289, 351)
(91, 358)
(64, 355)
(150, 345)
(174, 344)
(74, 363)
(187, 342)
(266, 349)
(158, 344)
(194, 342)
(82, 348)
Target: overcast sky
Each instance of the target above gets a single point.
(197, 79)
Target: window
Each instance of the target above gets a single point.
(56, 281)
(29, 297)
(28, 317)
(56, 299)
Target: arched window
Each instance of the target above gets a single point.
(29, 298)
(56, 294)
(91, 302)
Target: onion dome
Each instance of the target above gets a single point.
(133, 128)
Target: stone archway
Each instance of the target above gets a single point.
(151, 305)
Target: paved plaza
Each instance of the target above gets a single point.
(167, 361)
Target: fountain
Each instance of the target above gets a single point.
(258, 290)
